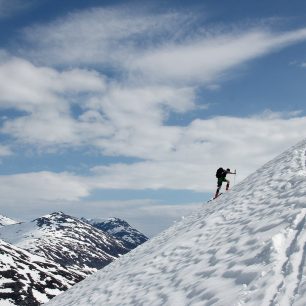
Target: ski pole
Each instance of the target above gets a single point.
(235, 178)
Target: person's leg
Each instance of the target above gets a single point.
(227, 184)
(217, 192)
(219, 184)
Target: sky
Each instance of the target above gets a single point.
(127, 108)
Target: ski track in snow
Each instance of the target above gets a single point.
(247, 247)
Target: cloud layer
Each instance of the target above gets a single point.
(168, 48)
(190, 165)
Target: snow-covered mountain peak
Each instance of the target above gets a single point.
(6, 221)
(113, 222)
(120, 229)
(118, 220)
(57, 219)
(248, 247)
(66, 240)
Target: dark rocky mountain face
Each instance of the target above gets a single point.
(129, 236)
(68, 241)
(30, 280)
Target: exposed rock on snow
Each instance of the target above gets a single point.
(248, 247)
(27, 279)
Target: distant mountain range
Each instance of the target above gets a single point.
(71, 247)
(129, 236)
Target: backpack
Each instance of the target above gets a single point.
(219, 172)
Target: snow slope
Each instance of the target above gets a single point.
(248, 247)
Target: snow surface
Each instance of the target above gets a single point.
(247, 247)
(6, 303)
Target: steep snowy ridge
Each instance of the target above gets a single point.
(66, 240)
(129, 236)
(27, 279)
(248, 247)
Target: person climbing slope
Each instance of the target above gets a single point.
(221, 176)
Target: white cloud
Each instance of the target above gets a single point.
(137, 116)
(41, 186)
(107, 110)
(131, 121)
(27, 87)
(98, 35)
(203, 146)
(205, 60)
(126, 115)
(46, 96)
(45, 128)
(151, 48)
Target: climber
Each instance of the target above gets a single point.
(221, 176)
